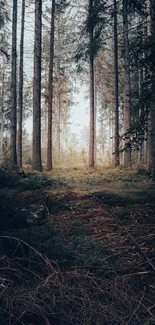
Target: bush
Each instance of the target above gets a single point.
(26, 181)
(28, 161)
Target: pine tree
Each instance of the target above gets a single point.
(50, 89)
(4, 76)
(20, 103)
(116, 111)
(62, 76)
(127, 116)
(13, 127)
(36, 154)
(152, 7)
(90, 28)
(90, 43)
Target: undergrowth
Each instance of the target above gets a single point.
(27, 181)
(78, 267)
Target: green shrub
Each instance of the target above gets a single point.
(28, 161)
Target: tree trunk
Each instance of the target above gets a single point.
(59, 125)
(59, 91)
(116, 110)
(149, 117)
(127, 146)
(92, 115)
(13, 127)
(36, 155)
(141, 110)
(20, 109)
(92, 92)
(50, 90)
(2, 115)
(95, 113)
(153, 90)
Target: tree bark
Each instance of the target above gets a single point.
(127, 146)
(20, 108)
(2, 115)
(36, 155)
(92, 91)
(92, 115)
(59, 92)
(149, 117)
(13, 127)
(153, 90)
(50, 89)
(116, 109)
(59, 124)
(95, 116)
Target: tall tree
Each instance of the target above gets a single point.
(92, 89)
(20, 103)
(2, 122)
(149, 115)
(50, 90)
(92, 31)
(127, 146)
(13, 126)
(4, 85)
(152, 7)
(36, 154)
(116, 111)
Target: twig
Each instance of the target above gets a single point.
(137, 247)
(134, 312)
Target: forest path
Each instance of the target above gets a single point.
(99, 228)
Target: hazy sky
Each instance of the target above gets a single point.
(79, 112)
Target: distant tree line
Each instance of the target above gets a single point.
(108, 45)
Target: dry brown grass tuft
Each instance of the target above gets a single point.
(33, 290)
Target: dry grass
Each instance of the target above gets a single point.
(116, 179)
(110, 234)
(33, 290)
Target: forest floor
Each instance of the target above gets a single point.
(98, 237)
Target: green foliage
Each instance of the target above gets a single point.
(26, 181)
(144, 172)
(28, 161)
(137, 6)
(8, 208)
(77, 275)
(11, 184)
(79, 249)
(93, 24)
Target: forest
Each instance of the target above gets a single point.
(77, 162)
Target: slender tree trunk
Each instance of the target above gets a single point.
(13, 131)
(92, 92)
(20, 109)
(36, 155)
(149, 117)
(59, 90)
(59, 124)
(95, 114)
(92, 115)
(50, 90)
(111, 142)
(2, 115)
(127, 151)
(141, 110)
(153, 90)
(116, 110)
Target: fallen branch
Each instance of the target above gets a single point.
(137, 247)
(136, 309)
